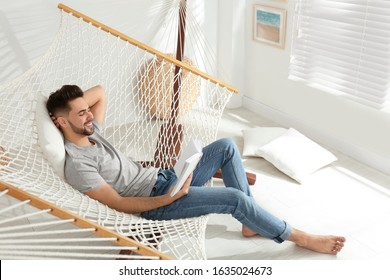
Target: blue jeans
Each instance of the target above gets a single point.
(234, 199)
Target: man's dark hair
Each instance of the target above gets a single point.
(58, 100)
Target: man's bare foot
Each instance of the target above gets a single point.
(326, 244)
(246, 232)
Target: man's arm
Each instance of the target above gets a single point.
(132, 205)
(96, 99)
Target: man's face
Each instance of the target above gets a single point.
(80, 117)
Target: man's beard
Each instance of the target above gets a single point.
(83, 131)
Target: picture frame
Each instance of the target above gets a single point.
(269, 25)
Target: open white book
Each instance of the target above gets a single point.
(186, 163)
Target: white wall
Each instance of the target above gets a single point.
(358, 131)
(26, 30)
(231, 46)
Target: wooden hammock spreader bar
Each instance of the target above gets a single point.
(80, 221)
(146, 47)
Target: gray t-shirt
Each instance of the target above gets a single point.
(87, 168)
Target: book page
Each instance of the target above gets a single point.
(189, 166)
(186, 163)
(193, 147)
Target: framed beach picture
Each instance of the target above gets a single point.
(269, 25)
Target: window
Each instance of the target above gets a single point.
(343, 47)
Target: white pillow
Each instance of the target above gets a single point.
(296, 155)
(257, 137)
(50, 137)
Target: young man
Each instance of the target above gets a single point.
(96, 168)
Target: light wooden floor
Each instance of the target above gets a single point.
(346, 198)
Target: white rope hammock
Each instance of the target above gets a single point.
(146, 119)
(74, 238)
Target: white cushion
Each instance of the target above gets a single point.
(50, 137)
(296, 155)
(257, 137)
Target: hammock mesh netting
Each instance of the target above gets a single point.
(146, 118)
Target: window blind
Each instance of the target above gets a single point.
(343, 47)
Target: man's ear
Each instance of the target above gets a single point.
(62, 122)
